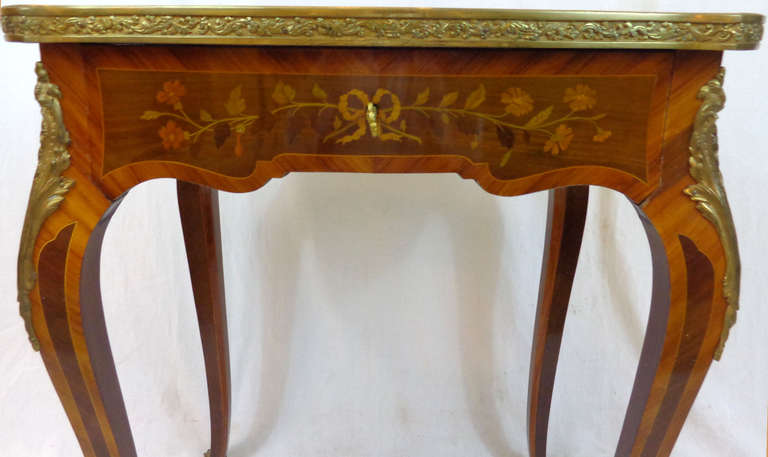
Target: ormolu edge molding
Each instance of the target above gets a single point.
(382, 27)
(709, 193)
(48, 189)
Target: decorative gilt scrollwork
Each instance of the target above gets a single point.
(48, 189)
(373, 27)
(709, 194)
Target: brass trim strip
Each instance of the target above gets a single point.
(407, 27)
(709, 194)
(48, 189)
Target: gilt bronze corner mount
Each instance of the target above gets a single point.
(48, 189)
(709, 194)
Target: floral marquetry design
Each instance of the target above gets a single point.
(382, 114)
(517, 125)
(517, 101)
(171, 93)
(580, 98)
(560, 140)
(174, 136)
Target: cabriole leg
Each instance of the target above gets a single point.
(565, 227)
(69, 323)
(59, 295)
(695, 285)
(199, 210)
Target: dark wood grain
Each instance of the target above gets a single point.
(700, 289)
(74, 342)
(97, 340)
(199, 210)
(51, 268)
(565, 227)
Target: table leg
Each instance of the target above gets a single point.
(59, 286)
(69, 322)
(695, 271)
(199, 210)
(565, 227)
(676, 352)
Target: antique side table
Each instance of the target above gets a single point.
(519, 101)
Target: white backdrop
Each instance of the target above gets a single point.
(363, 323)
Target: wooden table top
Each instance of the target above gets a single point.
(406, 27)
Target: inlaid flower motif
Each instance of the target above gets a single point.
(517, 101)
(382, 114)
(560, 140)
(580, 98)
(601, 135)
(172, 135)
(172, 92)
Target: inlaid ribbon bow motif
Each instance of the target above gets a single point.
(382, 116)
(357, 112)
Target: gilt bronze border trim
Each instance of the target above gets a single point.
(48, 189)
(709, 194)
(406, 27)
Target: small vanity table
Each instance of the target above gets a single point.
(519, 101)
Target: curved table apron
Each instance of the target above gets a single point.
(218, 103)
